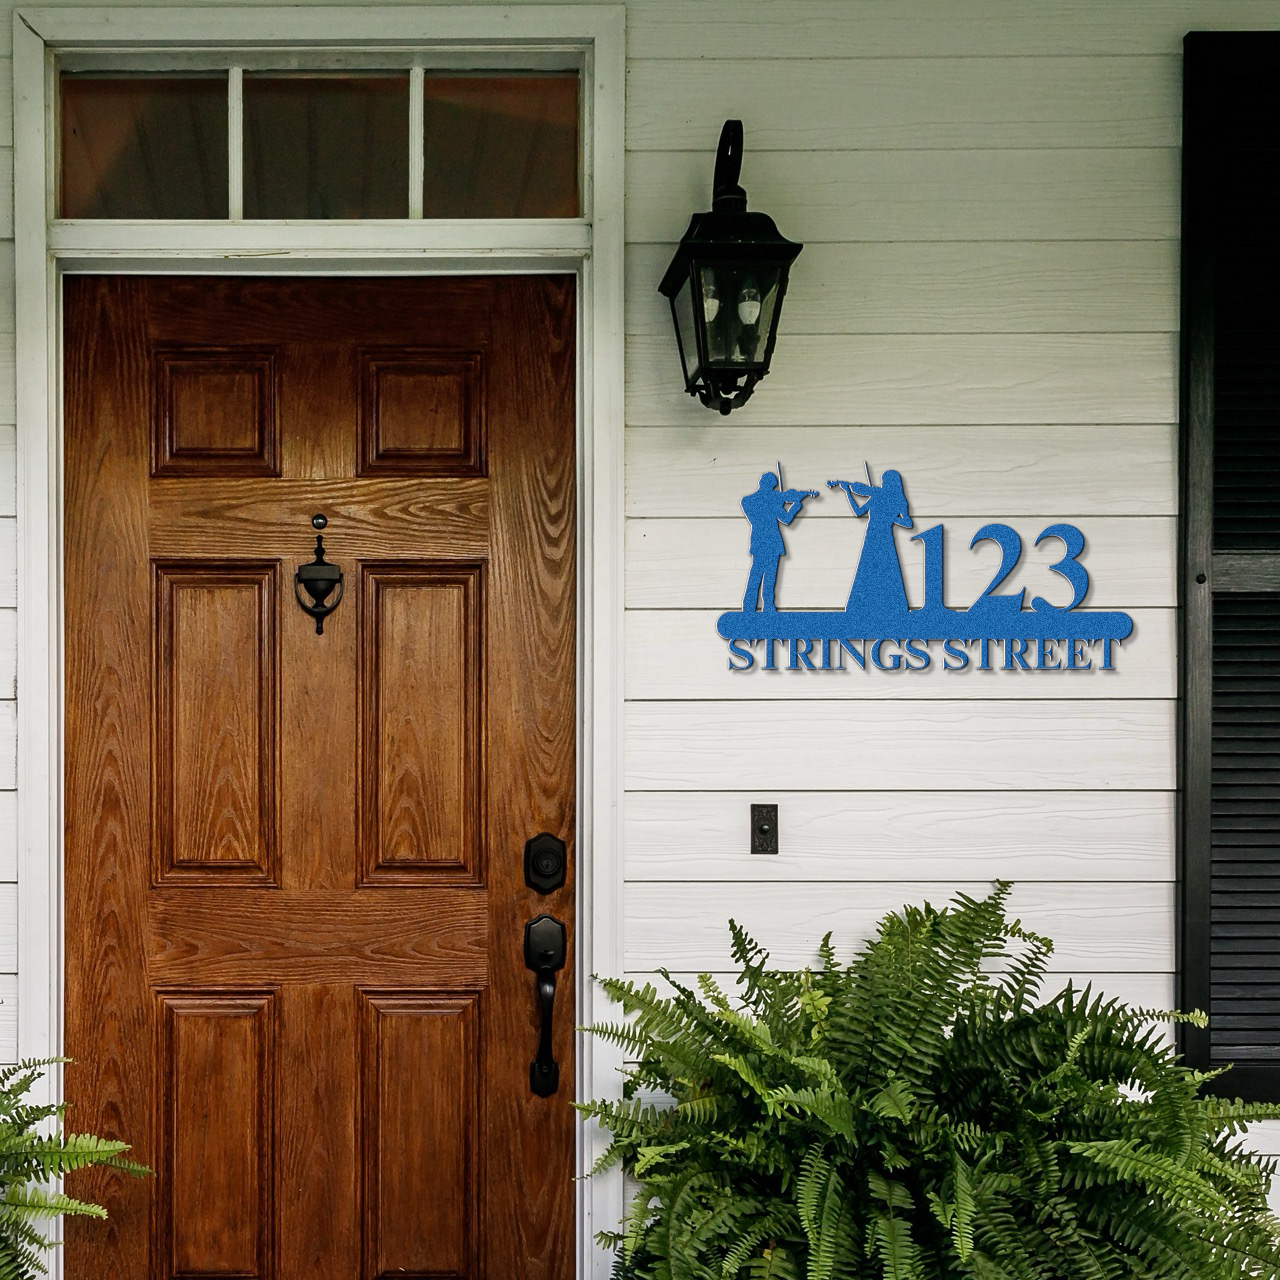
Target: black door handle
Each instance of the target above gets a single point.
(544, 954)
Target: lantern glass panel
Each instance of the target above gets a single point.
(739, 301)
(686, 331)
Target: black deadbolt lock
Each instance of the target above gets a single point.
(544, 863)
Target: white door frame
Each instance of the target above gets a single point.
(591, 247)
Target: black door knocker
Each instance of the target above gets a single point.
(319, 578)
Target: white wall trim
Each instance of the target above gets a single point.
(592, 247)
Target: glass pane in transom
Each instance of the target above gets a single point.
(143, 146)
(326, 146)
(501, 146)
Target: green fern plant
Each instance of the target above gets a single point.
(30, 1158)
(922, 1114)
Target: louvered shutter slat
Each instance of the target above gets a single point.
(1244, 906)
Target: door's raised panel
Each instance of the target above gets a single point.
(215, 412)
(217, 1090)
(422, 652)
(216, 730)
(422, 413)
(419, 1064)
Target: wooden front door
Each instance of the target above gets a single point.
(295, 892)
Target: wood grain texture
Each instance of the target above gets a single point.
(217, 1134)
(703, 564)
(113, 1077)
(935, 28)
(843, 196)
(435, 938)
(531, 750)
(422, 776)
(883, 835)
(215, 411)
(957, 287)
(1106, 927)
(673, 654)
(861, 104)
(962, 746)
(1054, 379)
(458, 703)
(401, 517)
(948, 471)
(422, 412)
(419, 1133)
(217, 728)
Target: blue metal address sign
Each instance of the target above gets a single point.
(877, 626)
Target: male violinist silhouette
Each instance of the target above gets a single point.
(765, 509)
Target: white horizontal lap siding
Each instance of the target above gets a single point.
(981, 379)
(987, 301)
(684, 927)
(677, 836)
(906, 103)
(1083, 286)
(936, 744)
(942, 29)
(851, 196)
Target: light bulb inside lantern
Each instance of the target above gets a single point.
(710, 299)
(749, 305)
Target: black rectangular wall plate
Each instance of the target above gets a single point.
(764, 828)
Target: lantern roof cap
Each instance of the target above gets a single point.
(727, 232)
(727, 237)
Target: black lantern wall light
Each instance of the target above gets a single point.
(726, 285)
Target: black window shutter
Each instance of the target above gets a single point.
(1229, 882)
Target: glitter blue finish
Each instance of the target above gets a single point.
(877, 608)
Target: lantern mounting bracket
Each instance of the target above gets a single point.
(726, 195)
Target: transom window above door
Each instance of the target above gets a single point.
(241, 143)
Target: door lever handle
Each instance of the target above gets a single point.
(544, 945)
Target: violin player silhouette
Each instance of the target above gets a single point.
(766, 509)
(877, 609)
(877, 584)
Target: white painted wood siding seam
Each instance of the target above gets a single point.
(1021, 836)
(839, 104)
(949, 471)
(1030, 744)
(936, 379)
(945, 195)
(1068, 286)
(941, 29)
(1094, 926)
